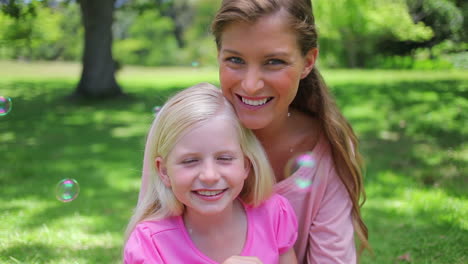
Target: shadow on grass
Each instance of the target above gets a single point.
(415, 128)
(419, 235)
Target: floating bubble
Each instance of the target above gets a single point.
(303, 183)
(306, 160)
(156, 110)
(67, 190)
(5, 105)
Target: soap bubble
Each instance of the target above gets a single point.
(5, 105)
(156, 110)
(305, 159)
(303, 183)
(67, 190)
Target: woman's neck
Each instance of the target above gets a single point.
(286, 137)
(276, 131)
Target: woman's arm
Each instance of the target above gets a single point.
(289, 257)
(331, 236)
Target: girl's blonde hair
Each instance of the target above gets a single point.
(313, 96)
(186, 109)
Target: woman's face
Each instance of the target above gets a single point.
(260, 69)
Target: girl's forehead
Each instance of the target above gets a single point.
(215, 126)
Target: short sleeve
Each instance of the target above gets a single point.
(286, 225)
(140, 248)
(331, 236)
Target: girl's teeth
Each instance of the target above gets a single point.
(254, 102)
(209, 193)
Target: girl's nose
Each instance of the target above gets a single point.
(253, 81)
(209, 173)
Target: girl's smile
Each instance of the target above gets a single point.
(209, 195)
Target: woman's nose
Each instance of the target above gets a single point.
(253, 81)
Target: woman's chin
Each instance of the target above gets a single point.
(253, 123)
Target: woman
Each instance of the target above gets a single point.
(267, 50)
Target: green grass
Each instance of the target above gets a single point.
(412, 127)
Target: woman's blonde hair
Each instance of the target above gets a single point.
(186, 109)
(313, 96)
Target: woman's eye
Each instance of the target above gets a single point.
(235, 60)
(275, 62)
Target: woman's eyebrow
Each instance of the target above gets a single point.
(231, 51)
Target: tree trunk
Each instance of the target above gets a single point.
(98, 73)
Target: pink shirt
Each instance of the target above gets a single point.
(271, 231)
(323, 208)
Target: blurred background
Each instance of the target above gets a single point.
(80, 81)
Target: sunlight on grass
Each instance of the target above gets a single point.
(406, 198)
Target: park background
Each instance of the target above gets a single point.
(398, 70)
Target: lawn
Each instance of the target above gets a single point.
(412, 126)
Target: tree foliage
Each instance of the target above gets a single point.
(350, 30)
(352, 33)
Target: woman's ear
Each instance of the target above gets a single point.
(309, 62)
(162, 171)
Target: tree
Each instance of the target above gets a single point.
(98, 74)
(443, 16)
(98, 66)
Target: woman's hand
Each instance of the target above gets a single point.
(242, 260)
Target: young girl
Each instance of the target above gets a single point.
(206, 190)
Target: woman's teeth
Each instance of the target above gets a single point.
(254, 102)
(210, 193)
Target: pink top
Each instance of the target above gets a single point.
(323, 208)
(271, 231)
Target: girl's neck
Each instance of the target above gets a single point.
(213, 224)
(211, 234)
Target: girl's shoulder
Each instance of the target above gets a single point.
(153, 227)
(275, 221)
(274, 208)
(150, 241)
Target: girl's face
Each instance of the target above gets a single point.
(206, 169)
(260, 66)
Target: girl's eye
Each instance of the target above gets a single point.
(235, 60)
(225, 158)
(275, 62)
(188, 161)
